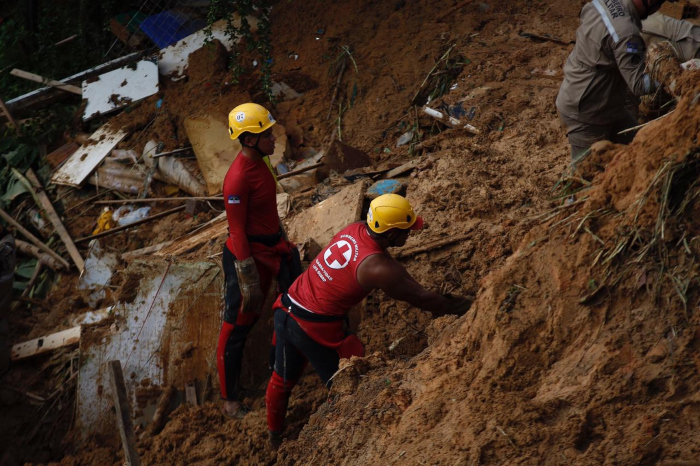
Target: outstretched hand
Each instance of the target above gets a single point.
(456, 305)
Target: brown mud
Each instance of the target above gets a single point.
(576, 351)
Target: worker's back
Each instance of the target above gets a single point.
(594, 87)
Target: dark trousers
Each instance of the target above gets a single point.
(293, 351)
(236, 325)
(294, 348)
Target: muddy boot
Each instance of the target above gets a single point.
(234, 409)
(275, 440)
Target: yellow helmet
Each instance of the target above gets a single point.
(392, 211)
(249, 118)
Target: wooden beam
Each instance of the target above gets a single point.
(56, 221)
(301, 170)
(191, 395)
(37, 242)
(47, 95)
(123, 411)
(9, 116)
(44, 258)
(161, 199)
(53, 83)
(131, 225)
(46, 343)
(176, 151)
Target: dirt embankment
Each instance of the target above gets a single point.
(581, 349)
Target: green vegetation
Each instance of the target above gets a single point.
(259, 43)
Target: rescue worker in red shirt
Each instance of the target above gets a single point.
(310, 318)
(256, 250)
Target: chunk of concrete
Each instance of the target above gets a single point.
(213, 147)
(216, 151)
(326, 218)
(341, 157)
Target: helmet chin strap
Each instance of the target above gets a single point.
(257, 149)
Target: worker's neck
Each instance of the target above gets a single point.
(252, 153)
(381, 240)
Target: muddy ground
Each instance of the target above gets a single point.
(562, 360)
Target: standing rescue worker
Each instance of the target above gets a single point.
(607, 60)
(256, 250)
(310, 320)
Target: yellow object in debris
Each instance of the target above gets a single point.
(105, 221)
(170, 190)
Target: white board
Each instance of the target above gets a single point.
(84, 161)
(119, 88)
(173, 60)
(176, 309)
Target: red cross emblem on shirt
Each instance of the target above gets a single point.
(338, 254)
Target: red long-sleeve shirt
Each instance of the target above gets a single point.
(250, 197)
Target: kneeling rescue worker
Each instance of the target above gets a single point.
(256, 249)
(310, 319)
(607, 60)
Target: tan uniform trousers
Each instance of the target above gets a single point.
(583, 135)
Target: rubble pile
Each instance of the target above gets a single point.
(580, 346)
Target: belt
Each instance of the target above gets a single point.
(308, 316)
(266, 240)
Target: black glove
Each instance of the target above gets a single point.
(458, 305)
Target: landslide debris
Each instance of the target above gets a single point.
(581, 349)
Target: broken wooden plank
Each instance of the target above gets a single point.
(83, 162)
(61, 154)
(326, 218)
(131, 225)
(161, 199)
(46, 81)
(46, 343)
(218, 227)
(301, 170)
(172, 152)
(405, 168)
(191, 395)
(48, 95)
(123, 412)
(56, 221)
(37, 242)
(119, 88)
(131, 255)
(9, 116)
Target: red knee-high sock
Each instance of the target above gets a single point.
(226, 330)
(276, 400)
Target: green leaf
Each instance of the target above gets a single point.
(13, 188)
(25, 269)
